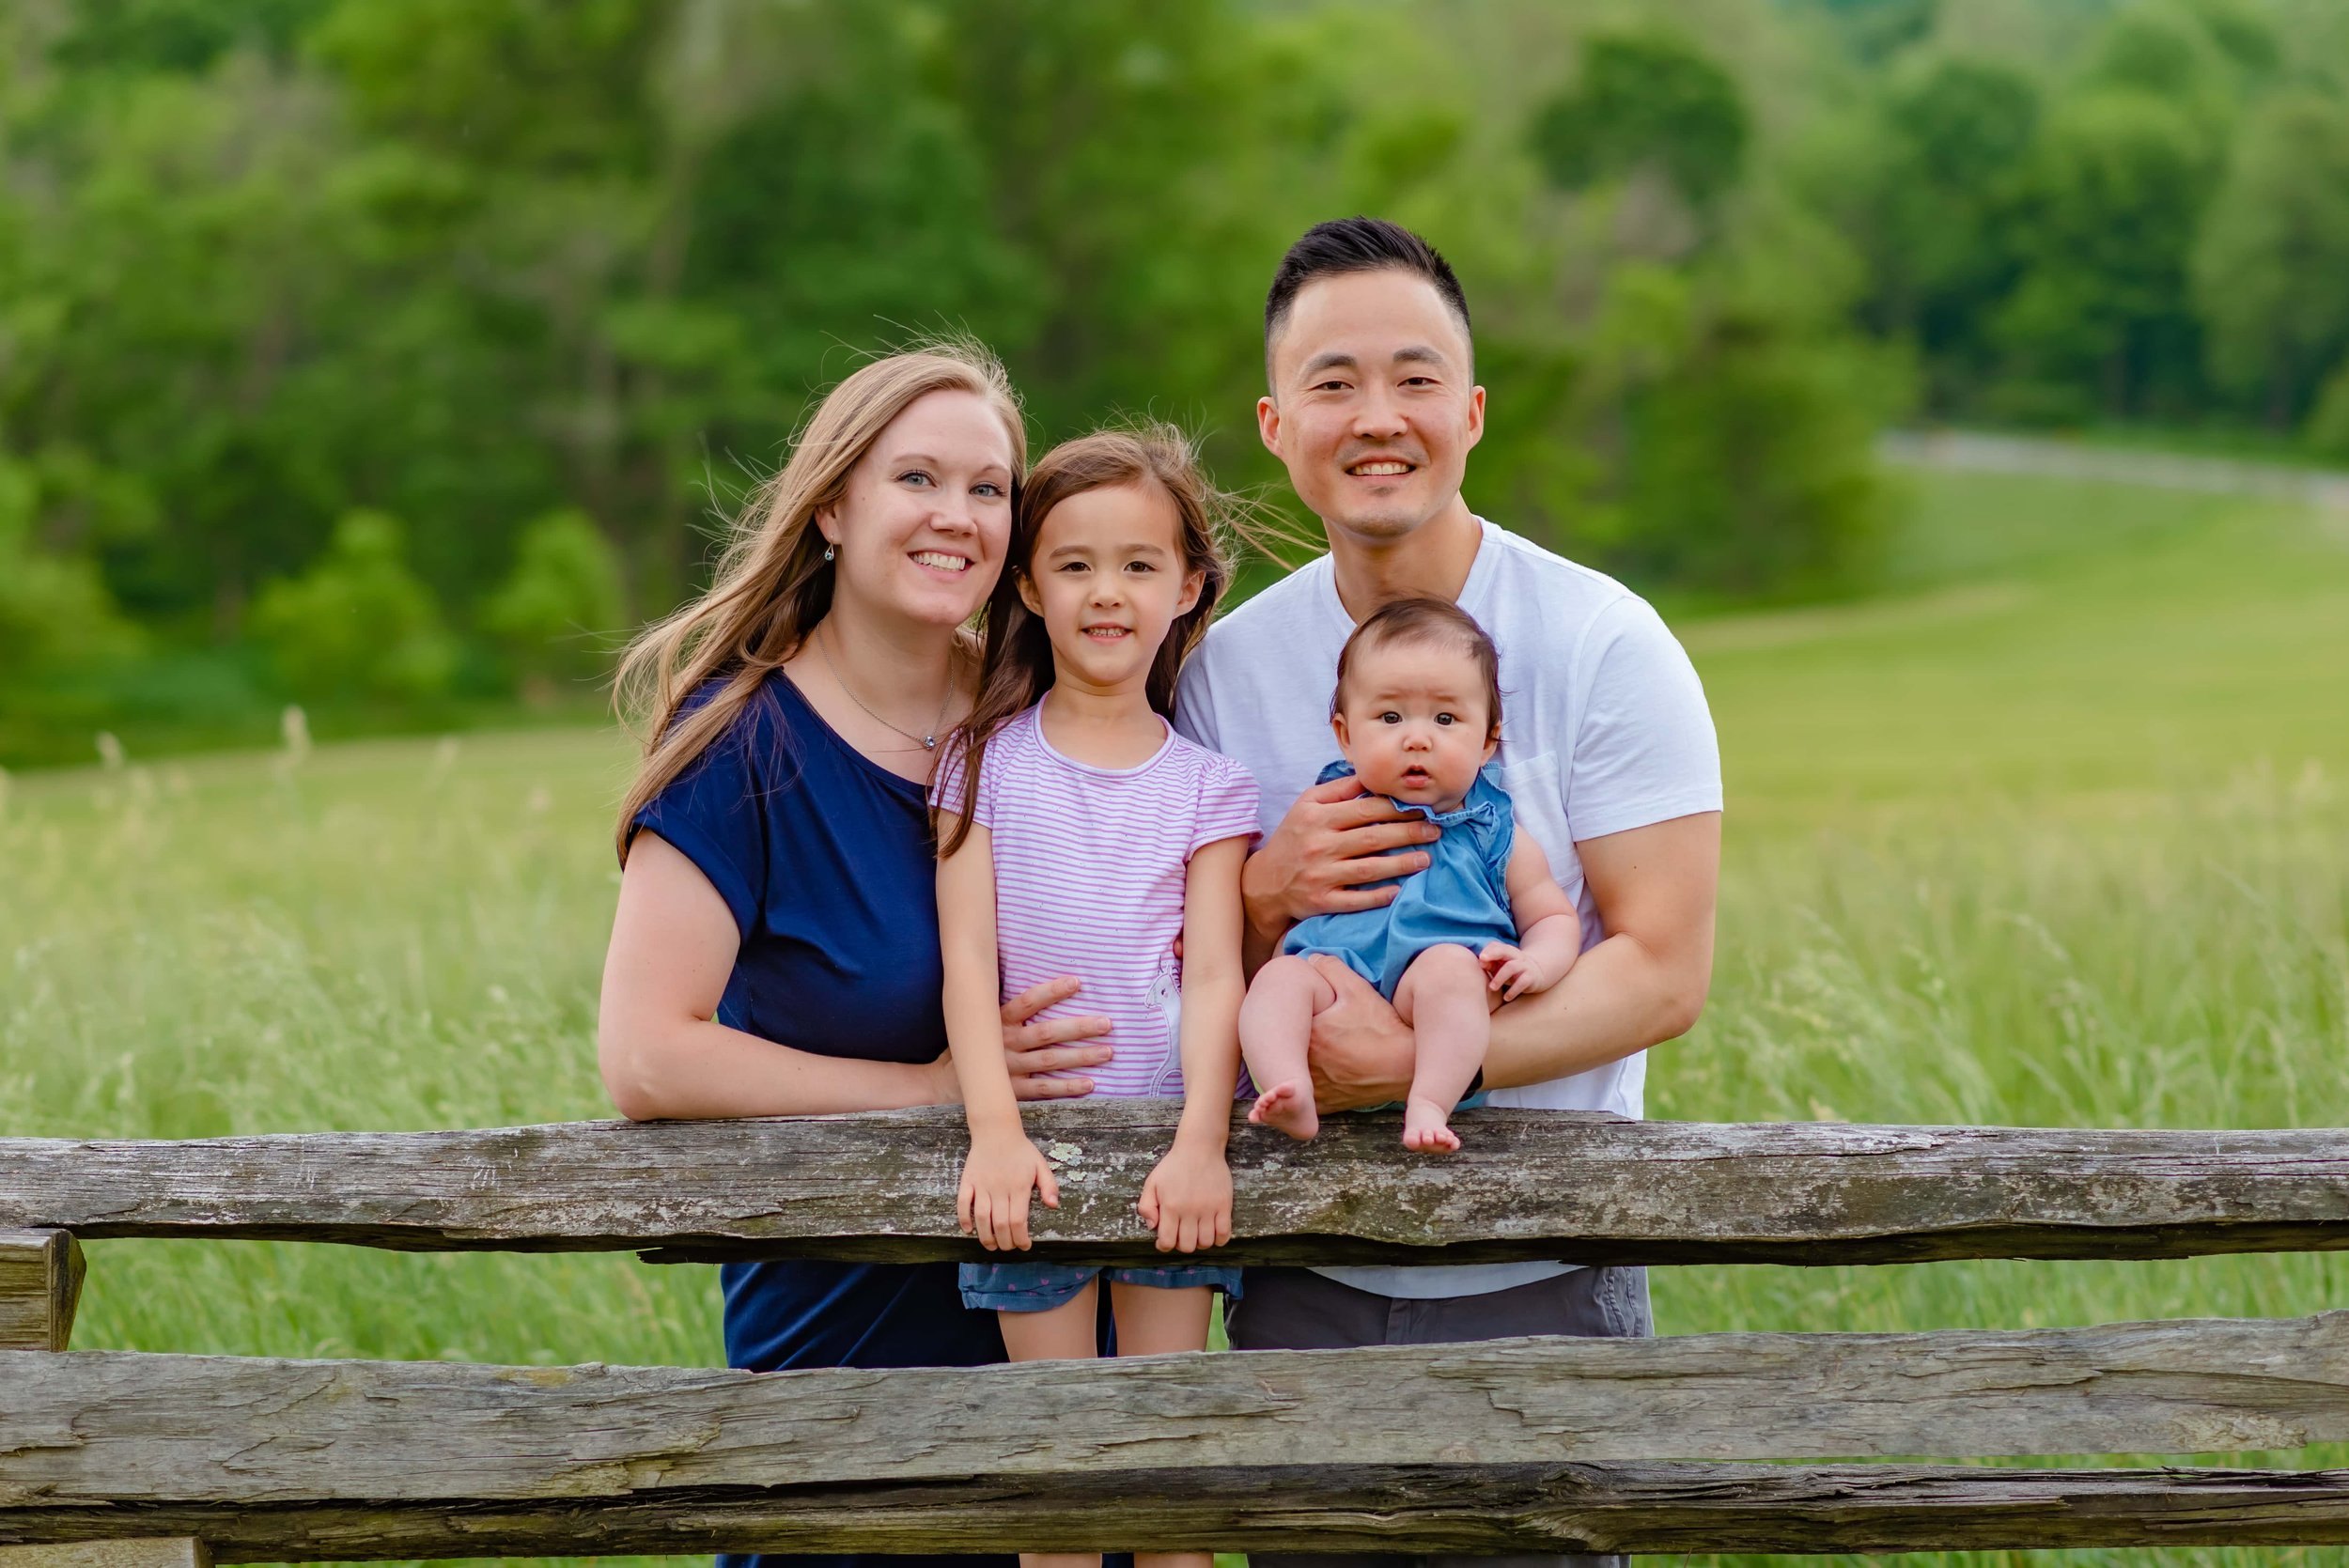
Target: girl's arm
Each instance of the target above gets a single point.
(1188, 1199)
(1003, 1166)
(665, 1056)
(1549, 929)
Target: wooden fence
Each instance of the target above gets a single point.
(1516, 1446)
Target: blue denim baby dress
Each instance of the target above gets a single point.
(1463, 895)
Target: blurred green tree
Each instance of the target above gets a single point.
(57, 619)
(2270, 269)
(1648, 100)
(1929, 184)
(559, 611)
(356, 625)
(2101, 319)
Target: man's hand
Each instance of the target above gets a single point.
(1333, 842)
(1361, 1052)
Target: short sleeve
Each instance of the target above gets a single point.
(713, 812)
(1644, 749)
(951, 784)
(1194, 703)
(1227, 804)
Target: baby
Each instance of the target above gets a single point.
(1417, 714)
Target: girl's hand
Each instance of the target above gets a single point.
(1508, 970)
(1188, 1199)
(997, 1177)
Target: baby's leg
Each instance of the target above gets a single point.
(1276, 1023)
(1153, 1320)
(1442, 999)
(1062, 1333)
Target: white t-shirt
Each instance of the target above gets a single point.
(1604, 728)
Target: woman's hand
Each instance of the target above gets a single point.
(1031, 1048)
(1188, 1199)
(997, 1177)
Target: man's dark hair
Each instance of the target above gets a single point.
(1357, 244)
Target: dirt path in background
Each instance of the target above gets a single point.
(2325, 488)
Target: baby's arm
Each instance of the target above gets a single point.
(1188, 1199)
(1549, 929)
(1003, 1166)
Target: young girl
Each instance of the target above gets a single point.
(1417, 714)
(1079, 834)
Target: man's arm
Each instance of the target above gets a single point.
(1655, 887)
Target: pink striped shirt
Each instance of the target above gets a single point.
(1089, 878)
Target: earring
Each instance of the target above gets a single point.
(827, 549)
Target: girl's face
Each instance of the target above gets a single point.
(1108, 577)
(1414, 721)
(925, 521)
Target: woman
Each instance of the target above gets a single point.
(776, 948)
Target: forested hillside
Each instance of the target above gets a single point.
(389, 356)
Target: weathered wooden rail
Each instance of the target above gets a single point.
(1516, 1446)
(1531, 1185)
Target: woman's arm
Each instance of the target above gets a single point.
(1187, 1198)
(665, 1058)
(662, 1052)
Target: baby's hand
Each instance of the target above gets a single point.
(997, 1178)
(1509, 970)
(1188, 1199)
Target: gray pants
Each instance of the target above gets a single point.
(1295, 1309)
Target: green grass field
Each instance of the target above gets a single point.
(2057, 835)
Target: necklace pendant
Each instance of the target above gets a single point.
(929, 743)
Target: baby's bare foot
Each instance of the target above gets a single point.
(1426, 1126)
(1288, 1107)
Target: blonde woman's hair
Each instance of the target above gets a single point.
(772, 584)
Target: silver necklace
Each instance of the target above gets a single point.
(928, 742)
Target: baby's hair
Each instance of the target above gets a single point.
(1017, 666)
(1428, 622)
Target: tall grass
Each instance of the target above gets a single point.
(2063, 839)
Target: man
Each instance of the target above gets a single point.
(1606, 751)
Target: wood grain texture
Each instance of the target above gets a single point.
(143, 1553)
(41, 1284)
(1528, 1185)
(106, 1430)
(1463, 1508)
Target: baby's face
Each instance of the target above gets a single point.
(1415, 722)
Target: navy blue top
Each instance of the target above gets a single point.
(824, 857)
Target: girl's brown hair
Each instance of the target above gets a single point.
(1016, 668)
(773, 584)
